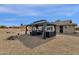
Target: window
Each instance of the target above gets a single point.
(48, 28)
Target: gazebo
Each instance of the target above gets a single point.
(43, 28)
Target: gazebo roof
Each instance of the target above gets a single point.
(41, 23)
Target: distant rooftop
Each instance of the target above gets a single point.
(64, 22)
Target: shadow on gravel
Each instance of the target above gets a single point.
(33, 41)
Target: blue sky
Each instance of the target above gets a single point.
(16, 14)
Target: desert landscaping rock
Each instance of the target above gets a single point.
(12, 38)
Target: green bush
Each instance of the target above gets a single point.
(2, 26)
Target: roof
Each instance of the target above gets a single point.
(65, 23)
(41, 23)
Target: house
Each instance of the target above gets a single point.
(65, 26)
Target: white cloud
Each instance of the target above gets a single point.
(5, 10)
(30, 10)
(20, 10)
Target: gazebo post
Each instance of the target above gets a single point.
(32, 30)
(44, 31)
(55, 30)
(32, 27)
(26, 30)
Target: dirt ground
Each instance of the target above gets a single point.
(60, 45)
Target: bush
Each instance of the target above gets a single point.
(2, 26)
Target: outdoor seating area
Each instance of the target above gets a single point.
(43, 28)
(36, 33)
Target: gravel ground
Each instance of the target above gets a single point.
(33, 41)
(60, 45)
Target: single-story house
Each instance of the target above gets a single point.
(65, 26)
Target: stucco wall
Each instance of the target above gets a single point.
(57, 29)
(69, 29)
(66, 29)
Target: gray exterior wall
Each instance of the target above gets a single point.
(66, 29)
(69, 29)
(57, 29)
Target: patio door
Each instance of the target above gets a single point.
(61, 29)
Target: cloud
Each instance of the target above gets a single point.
(5, 10)
(40, 10)
(29, 9)
(26, 12)
(10, 20)
(20, 10)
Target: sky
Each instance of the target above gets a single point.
(16, 14)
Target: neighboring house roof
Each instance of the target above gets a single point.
(65, 23)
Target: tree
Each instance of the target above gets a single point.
(21, 24)
(2, 26)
